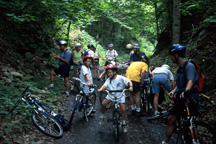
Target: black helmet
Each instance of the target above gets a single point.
(62, 42)
(145, 59)
(177, 49)
(90, 45)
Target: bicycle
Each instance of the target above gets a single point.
(76, 85)
(43, 117)
(116, 114)
(85, 102)
(144, 96)
(190, 130)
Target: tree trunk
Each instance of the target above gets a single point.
(68, 32)
(156, 18)
(176, 22)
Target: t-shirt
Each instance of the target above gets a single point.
(134, 70)
(164, 70)
(136, 57)
(66, 54)
(77, 56)
(183, 77)
(119, 83)
(111, 54)
(85, 70)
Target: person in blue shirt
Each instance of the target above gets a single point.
(63, 68)
(137, 55)
(186, 86)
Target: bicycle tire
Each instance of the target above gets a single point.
(206, 134)
(47, 124)
(90, 104)
(74, 109)
(116, 119)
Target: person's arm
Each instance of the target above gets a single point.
(173, 83)
(88, 79)
(61, 59)
(102, 88)
(130, 86)
(99, 55)
(142, 76)
(116, 54)
(150, 72)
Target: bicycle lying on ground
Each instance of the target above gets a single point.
(190, 130)
(43, 117)
(84, 102)
(116, 112)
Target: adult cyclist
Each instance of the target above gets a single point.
(129, 47)
(136, 56)
(186, 86)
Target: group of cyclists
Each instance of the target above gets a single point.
(138, 69)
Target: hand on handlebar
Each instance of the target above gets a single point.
(131, 88)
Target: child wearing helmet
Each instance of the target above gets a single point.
(161, 76)
(115, 82)
(85, 73)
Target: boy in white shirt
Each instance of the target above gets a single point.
(115, 82)
(85, 73)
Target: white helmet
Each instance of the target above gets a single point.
(129, 46)
(166, 66)
(78, 45)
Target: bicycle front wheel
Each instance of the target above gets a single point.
(116, 123)
(90, 104)
(47, 124)
(205, 134)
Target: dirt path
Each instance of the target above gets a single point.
(82, 132)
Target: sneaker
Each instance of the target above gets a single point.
(124, 128)
(101, 121)
(65, 94)
(71, 87)
(156, 113)
(50, 87)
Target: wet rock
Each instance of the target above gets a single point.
(7, 79)
(16, 74)
(8, 75)
(28, 77)
(43, 92)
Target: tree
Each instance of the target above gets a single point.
(176, 22)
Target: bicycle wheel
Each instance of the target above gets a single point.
(116, 120)
(78, 99)
(205, 134)
(90, 104)
(146, 102)
(47, 124)
(102, 96)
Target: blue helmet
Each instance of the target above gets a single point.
(62, 42)
(177, 49)
(90, 45)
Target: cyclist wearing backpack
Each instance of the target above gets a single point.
(89, 51)
(64, 66)
(186, 86)
(111, 54)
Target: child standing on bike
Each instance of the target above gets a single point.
(115, 82)
(85, 74)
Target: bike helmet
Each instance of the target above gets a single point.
(78, 45)
(62, 42)
(166, 66)
(136, 46)
(129, 46)
(177, 49)
(111, 66)
(110, 45)
(145, 59)
(90, 45)
(87, 57)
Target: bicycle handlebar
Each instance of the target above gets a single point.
(93, 85)
(122, 91)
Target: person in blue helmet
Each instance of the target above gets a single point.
(186, 86)
(63, 68)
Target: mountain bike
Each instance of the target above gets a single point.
(84, 102)
(75, 84)
(144, 96)
(43, 117)
(116, 113)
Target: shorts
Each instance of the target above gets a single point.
(97, 63)
(179, 106)
(122, 100)
(158, 80)
(136, 86)
(63, 70)
(77, 67)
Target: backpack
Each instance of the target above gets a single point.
(86, 52)
(71, 60)
(200, 82)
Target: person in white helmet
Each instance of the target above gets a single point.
(161, 76)
(129, 47)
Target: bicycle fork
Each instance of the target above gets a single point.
(193, 132)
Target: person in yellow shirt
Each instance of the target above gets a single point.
(136, 73)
